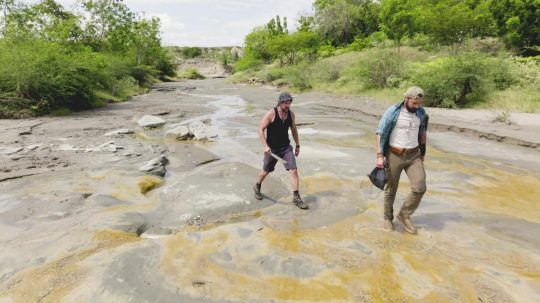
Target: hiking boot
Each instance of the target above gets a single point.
(257, 190)
(407, 224)
(298, 201)
(388, 225)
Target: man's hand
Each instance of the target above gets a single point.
(297, 151)
(267, 150)
(380, 162)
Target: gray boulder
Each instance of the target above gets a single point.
(155, 166)
(179, 133)
(201, 131)
(151, 121)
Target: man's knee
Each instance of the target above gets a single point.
(294, 172)
(419, 188)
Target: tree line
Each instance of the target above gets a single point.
(354, 23)
(339, 26)
(55, 59)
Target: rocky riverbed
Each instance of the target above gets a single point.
(101, 207)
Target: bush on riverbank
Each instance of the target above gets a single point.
(192, 73)
(464, 54)
(54, 61)
(471, 78)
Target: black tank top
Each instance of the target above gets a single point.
(277, 132)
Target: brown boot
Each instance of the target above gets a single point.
(257, 190)
(407, 224)
(388, 225)
(298, 201)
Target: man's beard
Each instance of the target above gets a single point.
(410, 109)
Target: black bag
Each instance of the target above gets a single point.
(378, 177)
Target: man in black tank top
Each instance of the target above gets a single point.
(276, 122)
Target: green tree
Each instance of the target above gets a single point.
(46, 20)
(306, 24)
(109, 26)
(340, 21)
(286, 48)
(275, 27)
(518, 21)
(7, 6)
(397, 19)
(450, 22)
(191, 52)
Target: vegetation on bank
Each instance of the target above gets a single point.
(474, 53)
(227, 56)
(54, 61)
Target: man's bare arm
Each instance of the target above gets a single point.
(265, 121)
(380, 156)
(294, 130)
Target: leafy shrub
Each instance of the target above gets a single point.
(166, 67)
(452, 81)
(326, 50)
(461, 80)
(143, 74)
(298, 77)
(270, 74)
(378, 38)
(376, 68)
(121, 88)
(529, 70)
(248, 62)
(502, 73)
(358, 44)
(325, 72)
(192, 73)
(55, 74)
(191, 52)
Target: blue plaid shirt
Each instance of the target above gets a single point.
(389, 119)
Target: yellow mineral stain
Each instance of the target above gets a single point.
(288, 240)
(125, 192)
(286, 288)
(144, 137)
(508, 194)
(132, 207)
(249, 108)
(234, 285)
(239, 217)
(355, 275)
(382, 280)
(324, 182)
(511, 191)
(53, 281)
(99, 176)
(147, 183)
(84, 189)
(188, 260)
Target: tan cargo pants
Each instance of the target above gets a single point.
(414, 168)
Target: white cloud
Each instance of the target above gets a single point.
(213, 22)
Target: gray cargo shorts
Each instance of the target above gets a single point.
(287, 153)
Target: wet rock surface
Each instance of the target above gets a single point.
(81, 221)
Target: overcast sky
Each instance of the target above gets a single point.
(213, 22)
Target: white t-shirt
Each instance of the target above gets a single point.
(405, 132)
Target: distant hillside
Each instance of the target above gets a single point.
(210, 62)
